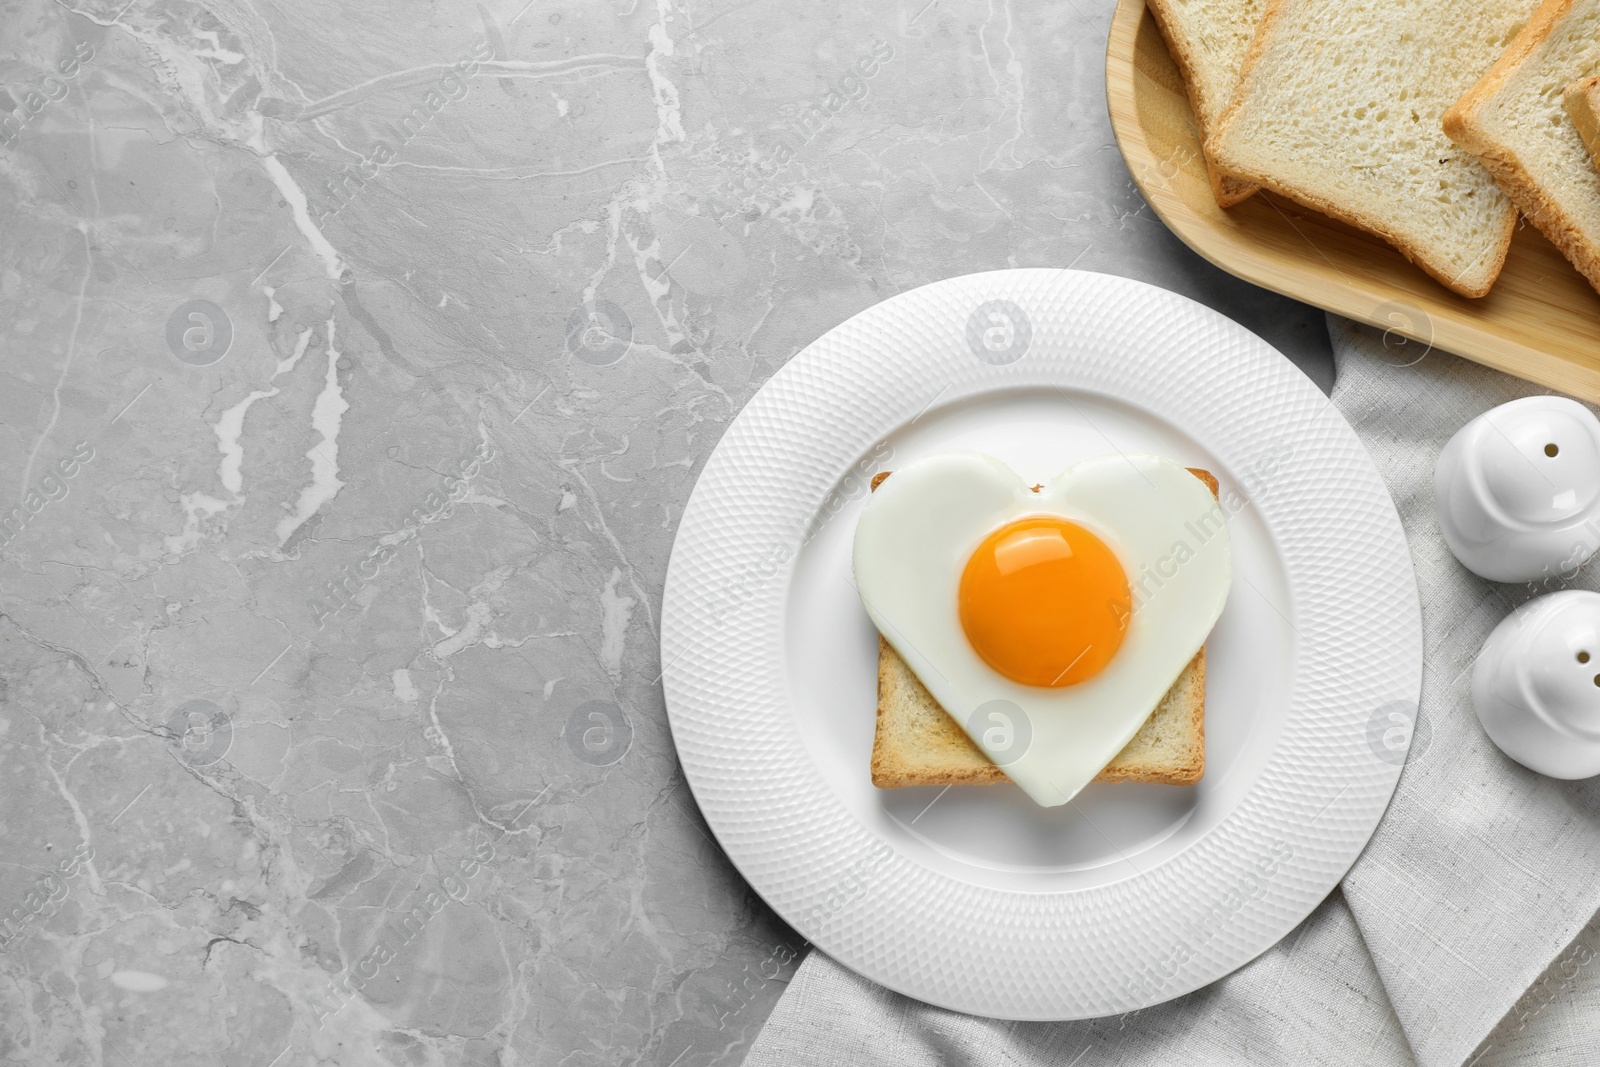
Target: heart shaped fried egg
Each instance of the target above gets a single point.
(1049, 623)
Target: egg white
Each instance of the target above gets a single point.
(920, 527)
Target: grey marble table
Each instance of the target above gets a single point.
(358, 363)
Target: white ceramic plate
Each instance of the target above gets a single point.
(973, 898)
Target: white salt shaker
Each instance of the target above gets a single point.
(1536, 684)
(1518, 489)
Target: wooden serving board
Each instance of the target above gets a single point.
(1540, 322)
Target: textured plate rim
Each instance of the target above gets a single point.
(1086, 953)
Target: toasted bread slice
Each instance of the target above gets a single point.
(917, 742)
(1582, 101)
(1512, 121)
(1208, 40)
(1339, 108)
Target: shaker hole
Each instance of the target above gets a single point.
(1583, 657)
(1597, 679)
(1551, 449)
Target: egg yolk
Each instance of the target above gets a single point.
(1044, 602)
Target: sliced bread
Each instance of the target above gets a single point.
(1582, 101)
(917, 742)
(1208, 40)
(1339, 108)
(1513, 121)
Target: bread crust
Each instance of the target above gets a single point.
(1582, 101)
(1463, 124)
(1227, 189)
(1216, 149)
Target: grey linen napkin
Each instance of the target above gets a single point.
(1465, 933)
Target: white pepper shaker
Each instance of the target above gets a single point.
(1536, 684)
(1518, 489)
